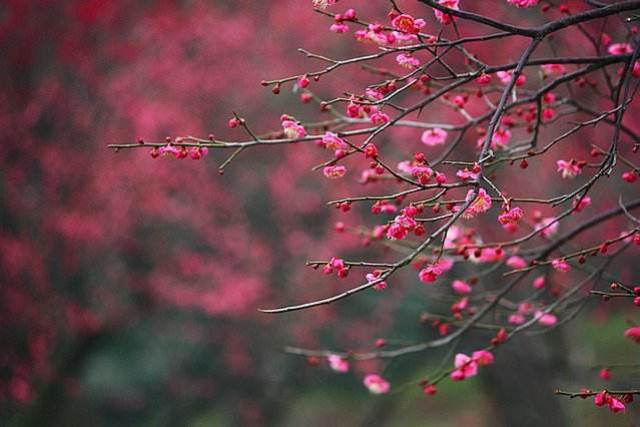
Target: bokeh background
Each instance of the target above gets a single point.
(129, 287)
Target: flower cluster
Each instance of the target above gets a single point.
(405, 223)
(467, 366)
(614, 404)
(179, 152)
(337, 265)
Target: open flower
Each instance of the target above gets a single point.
(465, 366)
(376, 384)
(338, 364)
(434, 137)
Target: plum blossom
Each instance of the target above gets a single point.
(487, 255)
(375, 275)
(323, 4)
(339, 27)
(506, 77)
(334, 142)
(483, 357)
(553, 69)
(561, 265)
(376, 384)
(408, 24)
(169, 150)
(523, 3)
(568, 169)
(402, 224)
(516, 319)
(605, 399)
(483, 79)
(460, 287)
(538, 282)
(407, 61)
(445, 18)
(338, 364)
(374, 34)
(633, 334)
(512, 216)
(292, 129)
(545, 319)
(430, 273)
(465, 174)
(547, 227)
(620, 49)
(516, 262)
(379, 118)
(334, 172)
(465, 366)
(579, 203)
(383, 206)
(480, 204)
(499, 139)
(434, 137)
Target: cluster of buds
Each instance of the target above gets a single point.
(179, 152)
(338, 265)
(405, 223)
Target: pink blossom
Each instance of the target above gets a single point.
(434, 137)
(465, 174)
(633, 334)
(339, 27)
(376, 384)
(372, 277)
(465, 366)
(547, 227)
(197, 153)
(553, 69)
(615, 405)
(620, 49)
(354, 110)
(499, 139)
(322, 4)
(379, 118)
(539, 282)
(480, 204)
(579, 203)
(422, 172)
(488, 255)
(483, 357)
(169, 150)
(506, 77)
(430, 273)
(396, 232)
(512, 216)
(516, 319)
(445, 18)
(483, 79)
(460, 287)
(407, 61)
(560, 265)
(403, 38)
(568, 169)
(334, 142)
(523, 3)
(293, 129)
(334, 172)
(603, 398)
(407, 23)
(374, 93)
(374, 34)
(516, 262)
(545, 319)
(338, 364)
